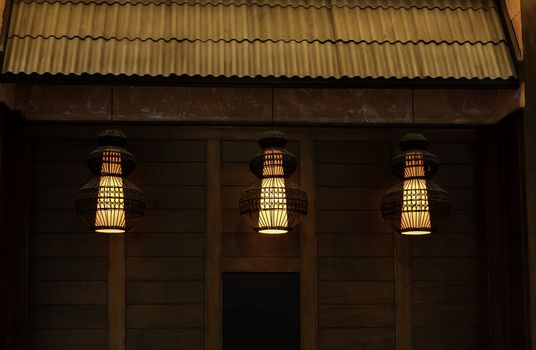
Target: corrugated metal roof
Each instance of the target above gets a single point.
(248, 38)
(197, 22)
(442, 4)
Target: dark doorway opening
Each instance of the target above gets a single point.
(261, 311)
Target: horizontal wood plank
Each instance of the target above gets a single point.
(67, 339)
(351, 221)
(355, 292)
(165, 316)
(356, 316)
(165, 292)
(68, 292)
(259, 245)
(165, 244)
(449, 245)
(67, 316)
(435, 315)
(449, 338)
(354, 175)
(260, 264)
(68, 269)
(165, 268)
(448, 268)
(355, 269)
(68, 244)
(447, 292)
(165, 339)
(356, 338)
(364, 198)
(353, 152)
(355, 244)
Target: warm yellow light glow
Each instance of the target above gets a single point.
(415, 218)
(273, 216)
(110, 215)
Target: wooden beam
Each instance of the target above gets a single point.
(260, 264)
(308, 248)
(403, 302)
(528, 14)
(213, 247)
(116, 292)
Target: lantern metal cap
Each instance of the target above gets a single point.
(112, 137)
(413, 141)
(272, 138)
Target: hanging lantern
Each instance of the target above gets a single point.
(273, 204)
(416, 205)
(109, 203)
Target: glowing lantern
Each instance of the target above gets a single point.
(109, 203)
(416, 205)
(273, 204)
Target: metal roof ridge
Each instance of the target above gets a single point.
(342, 41)
(239, 3)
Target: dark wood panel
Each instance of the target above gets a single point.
(67, 339)
(168, 174)
(84, 292)
(367, 198)
(167, 150)
(448, 245)
(351, 339)
(68, 268)
(68, 244)
(449, 338)
(53, 196)
(165, 316)
(459, 175)
(243, 151)
(448, 292)
(465, 198)
(165, 244)
(355, 244)
(344, 175)
(432, 315)
(55, 221)
(355, 316)
(165, 292)
(261, 264)
(353, 152)
(166, 220)
(447, 268)
(174, 197)
(352, 221)
(67, 316)
(360, 292)
(362, 268)
(462, 221)
(76, 150)
(60, 173)
(165, 339)
(165, 268)
(457, 152)
(255, 244)
(154, 220)
(236, 174)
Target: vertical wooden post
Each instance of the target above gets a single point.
(308, 248)
(403, 301)
(213, 247)
(528, 15)
(403, 311)
(116, 292)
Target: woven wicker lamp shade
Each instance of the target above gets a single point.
(109, 203)
(416, 205)
(273, 204)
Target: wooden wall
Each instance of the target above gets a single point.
(375, 290)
